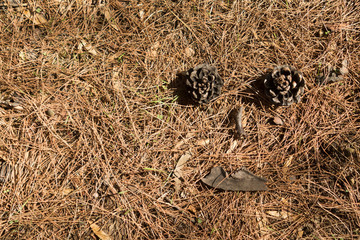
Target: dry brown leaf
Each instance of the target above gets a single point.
(98, 232)
(141, 15)
(278, 121)
(39, 19)
(203, 142)
(285, 214)
(189, 52)
(287, 164)
(241, 180)
(66, 191)
(239, 123)
(232, 147)
(337, 27)
(180, 143)
(36, 18)
(300, 233)
(344, 67)
(181, 163)
(6, 171)
(183, 141)
(115, 79)
(116, 56)
(192, 209)
(178, 169)
(90, 48)
(262, 222)
(26, 13)
(274, 213)
(278, 214)
(153, 51)
(177, 184)
(109, 17)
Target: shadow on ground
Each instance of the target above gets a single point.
(179, 89)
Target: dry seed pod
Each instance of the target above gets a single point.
(203, 83)
(285, 85)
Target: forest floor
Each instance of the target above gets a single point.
(93, 122)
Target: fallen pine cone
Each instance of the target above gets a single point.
(203, 83)
(285, 85)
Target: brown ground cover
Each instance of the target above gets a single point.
(103, 121)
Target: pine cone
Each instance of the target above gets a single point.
(285, 85)
(203, 83)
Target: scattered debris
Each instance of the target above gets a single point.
(278, 121)
(232, 147)
(178, 169)
(263, 224)
(109, 16)
(29, 54)
(203, 83)
(153, 51)
(210, 110)
(337, 27)
(8, 104)
(185, 140)
(50, 112)
(287, 164)
(98, 232)
(37, 17)
(189, 52)
(239, 124)
(241, 180)
(285, 85)
(66, 191)
(203, 142)
(90, 48)
(12, 3)
(349, 151)
(141, 15)
(5, 171)
(115, 79)
(11, 101)
(333, 74)
(278, 214)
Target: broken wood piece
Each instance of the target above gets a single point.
(241, 180)
(239, 125)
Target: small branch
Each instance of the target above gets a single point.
(239, 125)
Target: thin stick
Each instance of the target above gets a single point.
(239, 125)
